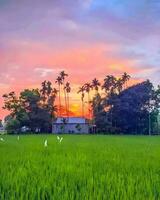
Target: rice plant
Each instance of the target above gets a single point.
(82, 167)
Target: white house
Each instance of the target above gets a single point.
(70, 125)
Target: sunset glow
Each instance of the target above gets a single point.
(87, 39)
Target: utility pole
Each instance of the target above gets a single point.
(149, 129)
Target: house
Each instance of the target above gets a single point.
(70, 125)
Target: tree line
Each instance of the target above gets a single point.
(35, 109)
(112, 106)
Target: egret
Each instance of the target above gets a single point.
(61, 139)
(1, 139)
(45, 143)
(18, 138)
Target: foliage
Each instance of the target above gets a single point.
(13, 126)
(126, 110)
(33, 108)
(1, 125)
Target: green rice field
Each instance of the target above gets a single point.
(82, 167)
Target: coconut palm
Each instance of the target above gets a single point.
(87, 89)
(49, 88)
(125, 78)
(82, 91)
(119, 85)
(52, 99)
(95, 85)
(44, 91)
(63, 75)
(68, 90)
(109, 84)
(59, 82)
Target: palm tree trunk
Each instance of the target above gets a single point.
(88, 105)
(65, 98)
(82, 109)
(59, 100)
(68, 105)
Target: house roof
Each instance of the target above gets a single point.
(71, 120)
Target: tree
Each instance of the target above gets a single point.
(125, 78)
(40, 115)
(44, 91)
(12, 103)
(95, 85)
(68, 90)
(126, 111)
(63, 75)
(59, 82)
(109, 84)
(87, 89)
(34, 108)
(1, 125)
(13, 126)
(129, 111)
(82, 91)
(37, 112)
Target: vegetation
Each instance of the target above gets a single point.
(112, 106)
(81, 167)
(132, 110)
(1, 125)
(33, 108)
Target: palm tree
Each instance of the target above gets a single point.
(59, 82)
(119, 85)
(44, 91)
(87, 88)
(51, 103)
(63, 75)
(109, 84)
(95, 85)
(68, 90)
(49, 88)
(125, 78)
(110, 87)
(82, 91)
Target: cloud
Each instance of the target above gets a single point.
(86, 38)
(44, 72)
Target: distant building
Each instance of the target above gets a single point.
(70, 125)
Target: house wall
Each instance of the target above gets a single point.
(70, 128)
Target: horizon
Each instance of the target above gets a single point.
(87, 39)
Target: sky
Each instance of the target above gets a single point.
(86, 38)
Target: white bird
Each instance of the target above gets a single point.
(1, 139)
(45, 143)
(58, 138)
(18, 138)
(61, 139)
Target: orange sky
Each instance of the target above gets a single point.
(31, 64)
(87, 39)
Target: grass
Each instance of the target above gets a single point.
(81, 167)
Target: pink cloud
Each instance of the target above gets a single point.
(28, 65)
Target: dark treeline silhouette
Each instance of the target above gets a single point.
(119, 109)
(35, 109)
(130, 111)
(112, 106)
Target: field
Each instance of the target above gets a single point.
(81, 167)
